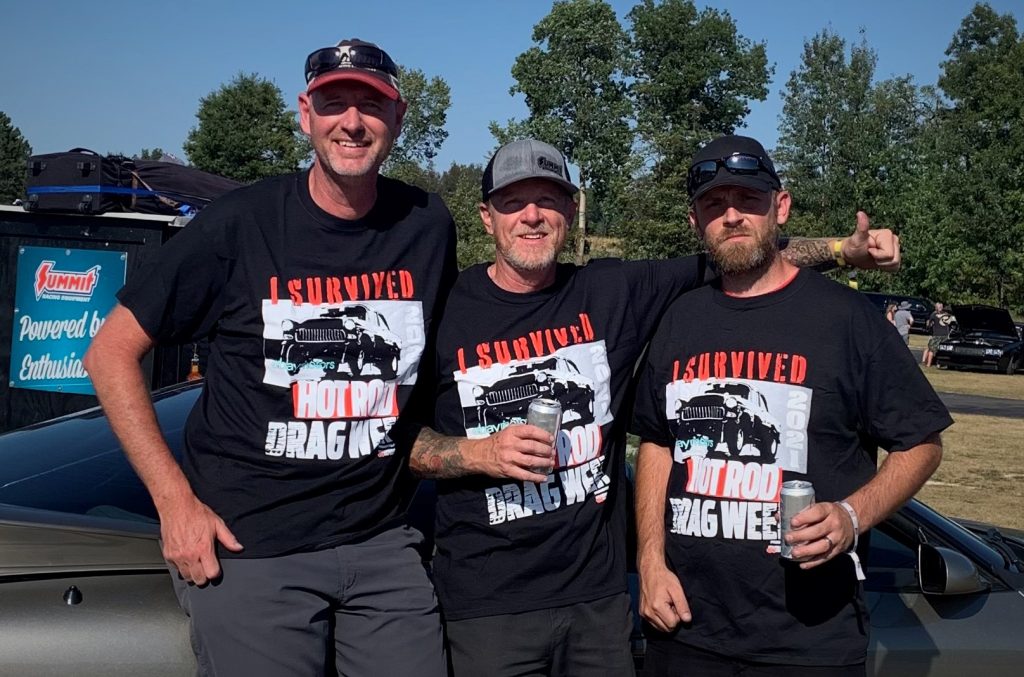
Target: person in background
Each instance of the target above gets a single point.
(890, 313)
(940, 324)
(903, 320)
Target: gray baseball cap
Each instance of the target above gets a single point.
(525, 159)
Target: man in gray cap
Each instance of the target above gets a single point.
(531, 530)
(285, 524)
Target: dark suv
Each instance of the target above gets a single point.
(352, 340)
(733, 413)
(553, 377)
(920, 308)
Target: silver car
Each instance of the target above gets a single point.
(84, 590)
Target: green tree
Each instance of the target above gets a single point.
(423, 130)
(694, 76)
(245, 132)
(460, 188)
(573, 82)
(150, 154)
(977, 145)
(848, 143)
(14, 151)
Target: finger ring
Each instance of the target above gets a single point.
(830, 543)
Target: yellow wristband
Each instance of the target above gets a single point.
(837, 252)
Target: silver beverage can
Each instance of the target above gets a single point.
(547, 415)
(795, 496)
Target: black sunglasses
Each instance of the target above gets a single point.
(349, 56)
(737, 163)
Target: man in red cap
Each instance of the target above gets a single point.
(285, 522)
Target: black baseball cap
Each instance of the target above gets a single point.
(732, 161)
(525, 159)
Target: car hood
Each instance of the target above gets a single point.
(43, 543)
(976, 317)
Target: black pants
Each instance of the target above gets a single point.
(669, 658)
(589, 639)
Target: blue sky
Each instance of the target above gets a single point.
(120, 75)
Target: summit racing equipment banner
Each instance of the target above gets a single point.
(61, 299)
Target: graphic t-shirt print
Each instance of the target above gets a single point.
(739, 420)
(343, 345)
(497, 381)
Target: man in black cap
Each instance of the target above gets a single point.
(285, 523)
(531, 530)
(768, 375)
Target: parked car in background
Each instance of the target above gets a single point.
(84, 590)
(920, 308)
(986, 338)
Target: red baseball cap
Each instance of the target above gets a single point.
(353, 60)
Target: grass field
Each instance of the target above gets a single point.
(982, 472)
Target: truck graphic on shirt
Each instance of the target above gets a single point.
(353, 340)
(507, 399)
(729, 417)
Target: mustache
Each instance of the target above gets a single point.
(734, 233)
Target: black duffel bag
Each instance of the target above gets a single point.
(169, 188)
(79, 180)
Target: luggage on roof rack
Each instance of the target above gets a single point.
(86, 182)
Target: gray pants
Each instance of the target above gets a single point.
(358, 610)
(588, 639)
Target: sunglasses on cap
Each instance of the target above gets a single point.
(366, 57)
(737, 163)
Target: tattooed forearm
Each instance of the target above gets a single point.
(437, 456)
(809, 252)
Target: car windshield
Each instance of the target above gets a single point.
(737, 389)
(74, 464)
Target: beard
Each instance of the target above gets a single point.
(535, 262)
(737, 258)
(342, 167)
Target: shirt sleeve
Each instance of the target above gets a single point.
(421, 407)
(898, 405)
(654, 285)
(181, 298)
(649, 419)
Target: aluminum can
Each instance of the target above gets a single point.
(795, 496)
(547, 415)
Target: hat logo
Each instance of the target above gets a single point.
(547, 165)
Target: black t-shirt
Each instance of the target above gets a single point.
(505, 546)
(802, 383)
(317, 326)
(941, 323)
